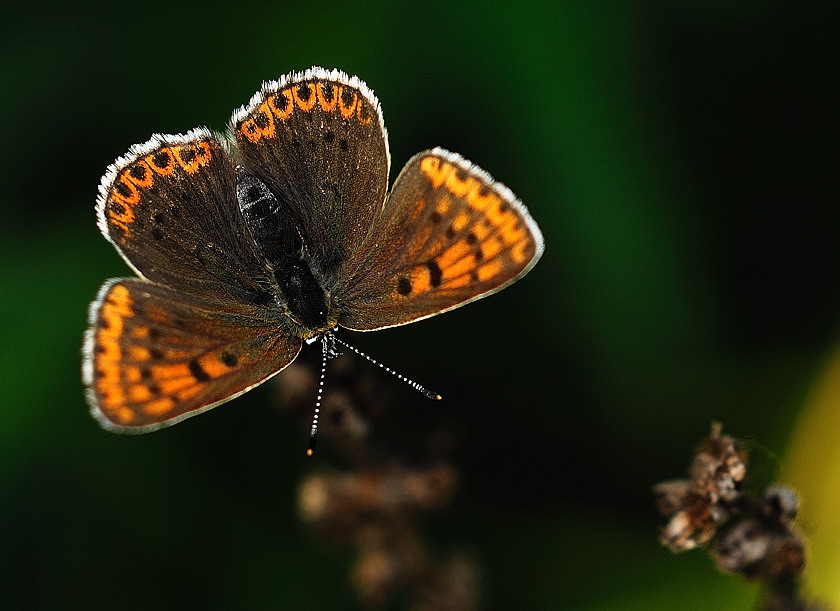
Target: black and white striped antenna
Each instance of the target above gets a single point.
(328, 351)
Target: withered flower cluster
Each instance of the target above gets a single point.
(376, 504)
(752, 535)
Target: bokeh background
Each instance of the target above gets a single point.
(681, 159)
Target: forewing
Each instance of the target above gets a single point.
(317, 139)
(449, 234)
(154, 356)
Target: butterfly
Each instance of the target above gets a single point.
(247, 245)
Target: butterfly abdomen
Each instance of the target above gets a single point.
(303, 294)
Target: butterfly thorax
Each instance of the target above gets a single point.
(276, 240)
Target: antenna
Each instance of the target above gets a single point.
(425, 391)
(328, 351)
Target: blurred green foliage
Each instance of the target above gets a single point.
(681, 161)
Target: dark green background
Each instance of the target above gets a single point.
(680, 161)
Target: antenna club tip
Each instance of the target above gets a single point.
(310, 452)
(438, 397)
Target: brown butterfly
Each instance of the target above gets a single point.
(247, 246)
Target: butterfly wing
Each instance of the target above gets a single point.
(154, 356)
(317, 139)
(449, 234)
(169, 207)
